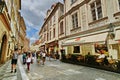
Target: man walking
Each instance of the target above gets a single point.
(14, 60)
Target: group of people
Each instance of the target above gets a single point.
(41, 56)
(53, 55)
(28, 58)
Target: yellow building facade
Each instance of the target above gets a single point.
(9, 27)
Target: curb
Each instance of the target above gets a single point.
(22, 71)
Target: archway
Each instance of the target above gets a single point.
(3, 49)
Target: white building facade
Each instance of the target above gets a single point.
(91, 26)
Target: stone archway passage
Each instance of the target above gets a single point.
(3, 49)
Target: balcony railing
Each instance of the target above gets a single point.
(2, 3)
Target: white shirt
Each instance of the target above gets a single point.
(101, 56)
(43, 54)
(28, 59)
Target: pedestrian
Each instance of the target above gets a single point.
(24, 58)
(33, 56)
(43, 57)
(14, 60)
(39, 57)
(28, 61)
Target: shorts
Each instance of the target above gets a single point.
(14, 61)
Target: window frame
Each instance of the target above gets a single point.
(96, 10)
(75, 49)
(74, 20)
(61, 27)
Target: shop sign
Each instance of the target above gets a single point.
(118, 41)
(77, 39)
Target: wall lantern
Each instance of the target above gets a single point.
(111, 30)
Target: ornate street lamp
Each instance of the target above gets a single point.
(2, 3)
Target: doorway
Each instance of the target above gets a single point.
(3, 49)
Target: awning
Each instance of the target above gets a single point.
(117, 35)
(89, 39)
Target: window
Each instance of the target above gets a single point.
(75, 20)
(73, 1)
(76, 49)
(50, 22)
(61, 27)
(54, 18)
(96, 10)
(44, 37)
(119, 3)
(47, 36)
(54, 33)
(50, 35)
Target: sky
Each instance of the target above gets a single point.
(34, 12)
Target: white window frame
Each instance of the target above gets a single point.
(74, 20)
(96, 10)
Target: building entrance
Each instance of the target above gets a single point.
(3, 48)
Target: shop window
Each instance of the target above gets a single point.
(96, 10)
(76, 49)
(101, 48)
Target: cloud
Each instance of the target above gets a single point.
(34, 12)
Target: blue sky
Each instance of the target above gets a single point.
(34, 12)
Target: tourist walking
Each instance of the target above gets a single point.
(43, 57)
(24, 58)
(14, 60)
(28, 61)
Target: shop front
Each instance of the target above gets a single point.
(117, 39)
(52, 47)
(82, 45)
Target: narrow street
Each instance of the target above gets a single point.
(57, 70)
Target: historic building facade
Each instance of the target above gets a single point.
(84, 26)
(10, 20)
(22, 35)
(5, 30)
(91, 26)
(49, 31)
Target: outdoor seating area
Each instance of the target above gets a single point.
(93, 61)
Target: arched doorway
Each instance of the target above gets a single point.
(3, 49)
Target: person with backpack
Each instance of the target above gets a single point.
(14, 60)
(24, 58)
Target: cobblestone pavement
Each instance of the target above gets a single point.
(5, 72)
(56, 70)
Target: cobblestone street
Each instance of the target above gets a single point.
(56, 70)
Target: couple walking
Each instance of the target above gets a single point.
(41, 55)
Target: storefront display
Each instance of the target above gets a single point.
(101, 49)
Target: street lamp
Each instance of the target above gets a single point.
(2, 3)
